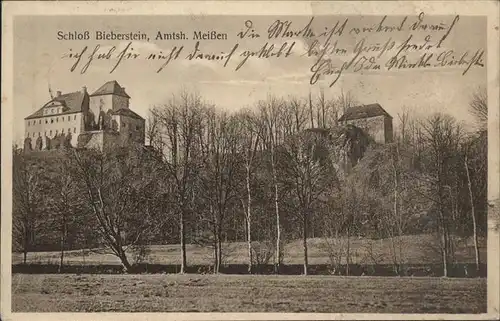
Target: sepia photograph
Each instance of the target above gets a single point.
(251, 162)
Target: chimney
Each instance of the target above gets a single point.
(58, 93)
(84, 89)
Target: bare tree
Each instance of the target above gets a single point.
(175, 128)
(475, 163)
(63, 199)
(153, 131)
(294, 116)
(219, 146)
(394, 191)
(349, 145)
(442, 138)
(27, 192)
(345, 101)
(250, 134)
(308, 173)
(271, 122)
(345, 208)
(478, 107)
(121, 193)
(311, 110)
(326, 111)
(476, 147)
(473, 212)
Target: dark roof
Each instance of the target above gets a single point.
(365, 111)
(126, 112)
(111, 87)
(71, 102)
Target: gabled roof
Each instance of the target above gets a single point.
(71, 102)
(364, 111)
(126, 112)
(111, 88)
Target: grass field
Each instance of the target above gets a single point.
(418, 249)
(232, 293)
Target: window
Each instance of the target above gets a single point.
(74, 117)
(69, 130)
(40, 121)
(46, 121)
(56, 131)
(28, 135)
(124, 125)
(50, 133)
(57, 119)
(74, 129)
(45, 133)
(62, 131)
(51, 120)
(69, 118)
(39, 134)
(28, 122)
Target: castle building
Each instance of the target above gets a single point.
(373, 119)
(85, 120)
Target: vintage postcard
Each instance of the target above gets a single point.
(250, 160)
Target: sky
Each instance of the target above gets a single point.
(41, 61)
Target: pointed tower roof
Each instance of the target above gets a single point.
(111, 88)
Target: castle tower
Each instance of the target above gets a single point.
(109, 98)
(373, 119)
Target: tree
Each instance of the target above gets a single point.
(475, 162)
(348, 145)
(472, 212)
(27, 192)
(63, 199)
(121, 192)
(311, 110)
(393, 195)
(249, 143)
(309, 175)
(345, 101)
(478, 107)
(327, 110)
(294, 117)
(271, 121)
(175, 128)
(346, 209)
(442, 138)
(219, 180)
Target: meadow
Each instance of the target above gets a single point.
(417, 249)
(246, 293)
(251, 293)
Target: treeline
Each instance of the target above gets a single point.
(281, 171)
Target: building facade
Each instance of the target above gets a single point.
(373, 119)
(84, 120)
